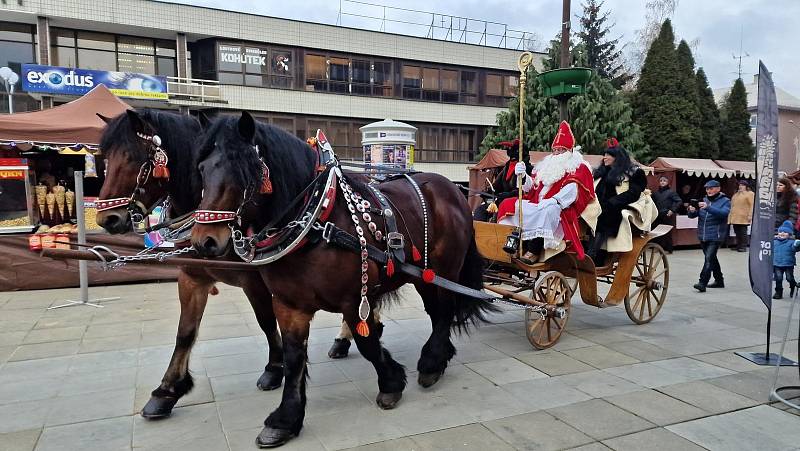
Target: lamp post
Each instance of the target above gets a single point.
(10, 78)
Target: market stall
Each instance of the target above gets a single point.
(478, 174)
(39, 153)
(687, 177)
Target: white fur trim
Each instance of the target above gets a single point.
(553, 168)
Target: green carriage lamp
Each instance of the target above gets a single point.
(565, 83)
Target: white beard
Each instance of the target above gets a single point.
(553, 167)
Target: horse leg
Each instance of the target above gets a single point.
(286, 421)
(438, 350)
(193, 294)
(341, 344)
(391, 374)
(261, 301)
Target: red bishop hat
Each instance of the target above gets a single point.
(564, 138)
(612, 142)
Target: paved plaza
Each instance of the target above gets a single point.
(75, 378)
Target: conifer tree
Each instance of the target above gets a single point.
(602, 53)
(736, 143)
(709, 118)
(693, 117)
(594, 116)
(661, 106)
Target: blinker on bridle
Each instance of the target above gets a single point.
(155, 165)
(228, 216)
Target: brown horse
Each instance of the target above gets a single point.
(320, 276)
(128, 144)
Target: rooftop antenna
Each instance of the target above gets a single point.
(742, 53)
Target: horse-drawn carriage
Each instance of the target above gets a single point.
(639, 278)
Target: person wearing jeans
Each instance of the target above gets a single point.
(712, 230)
(741, 214)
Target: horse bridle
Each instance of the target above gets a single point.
(136, 209)
(228, 216)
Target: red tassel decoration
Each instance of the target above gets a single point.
(161, 171)
(266, 183)
(428, 275)
(214, 290)
(362, 328)
(390, 267)
(415, 253)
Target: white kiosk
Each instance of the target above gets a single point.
(389, 143)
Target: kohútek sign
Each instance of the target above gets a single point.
(63, 80)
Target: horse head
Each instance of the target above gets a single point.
(135, 143)
(236, 154)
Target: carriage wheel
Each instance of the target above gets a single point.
(649, 284)
(552, 288)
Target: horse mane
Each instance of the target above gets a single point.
(290, 160)
(178, 133)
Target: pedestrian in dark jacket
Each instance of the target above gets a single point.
(785, 202)
(784, 246)
(668, 202)
(712, 231)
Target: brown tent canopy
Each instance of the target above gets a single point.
(744, 169)
(494, 158)
(73, 122)
(692, 166)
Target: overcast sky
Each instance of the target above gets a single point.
(768, 27)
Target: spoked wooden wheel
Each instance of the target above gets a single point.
(649, 284)
(551, 288)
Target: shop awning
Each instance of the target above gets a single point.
(75, 122)
(692, 166)
(744, 169)
(593, 160)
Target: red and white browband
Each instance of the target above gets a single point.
(108, 204)
(213, 216)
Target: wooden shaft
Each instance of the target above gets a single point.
(518, 297)
(68, 254)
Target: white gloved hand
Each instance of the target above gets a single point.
(520, 169)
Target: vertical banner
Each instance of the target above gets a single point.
(763, 228)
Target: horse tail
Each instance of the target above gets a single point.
(470, 310)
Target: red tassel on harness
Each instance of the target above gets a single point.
(415, 253)
(266, 183)
(161, 171)
(362, 328)
(390, 267)
(428, 275)
(213, 291)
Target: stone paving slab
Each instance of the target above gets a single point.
(760, 427)
(75, 378)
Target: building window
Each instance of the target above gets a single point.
(17, 47)
(412, 82)
(281, 73)
(109, 52)
(500, 89)
(316, 73)
(341, 74)
(469, 87)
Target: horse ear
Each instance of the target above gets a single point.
(105, 119)
(205, 121)
(247, 126)
(136, 121)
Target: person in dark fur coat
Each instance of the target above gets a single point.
(618, 183)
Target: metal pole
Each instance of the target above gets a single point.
(11, 99)
(524, 61)
(563, 111)
(83, 265)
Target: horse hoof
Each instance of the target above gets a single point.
(270, 379)
(273, 438)
(339, 349)
(388, 401)
(158, 407)
(427, 380)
